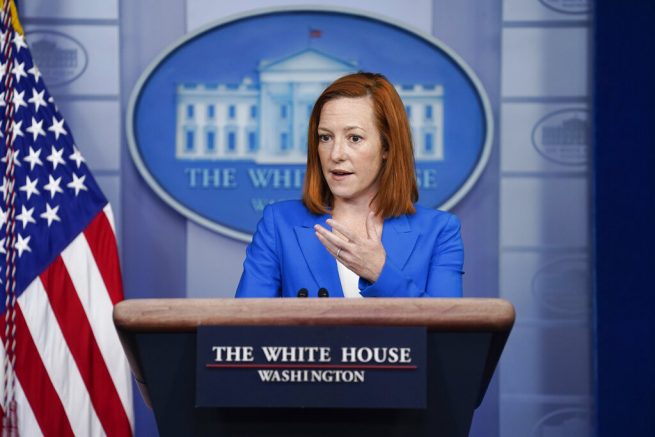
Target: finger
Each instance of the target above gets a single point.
(329, 246)
(337, 239)
(370, 226)
(336, 251)
(341, 229)
(334, 239)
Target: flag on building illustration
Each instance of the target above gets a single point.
(64, 371)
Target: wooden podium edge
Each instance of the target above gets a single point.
(180, 315)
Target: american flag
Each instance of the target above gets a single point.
(59, 259)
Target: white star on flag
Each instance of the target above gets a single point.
(77, 157)
(16, 130)
(50, 214)
(26, 216)
(14, 157)
(19, 41)
(33, 158)
(37, 99)
(22, 244)
(30, 187)
(19, 71)
(57, 127)
(34, 71)
(36, 129)
(19, 100)
(77, 184)
(55, 157)
(53, 186)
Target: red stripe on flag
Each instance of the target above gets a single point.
(40, 393)
(102, 242)
(76, 329)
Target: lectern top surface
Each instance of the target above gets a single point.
(439, 314)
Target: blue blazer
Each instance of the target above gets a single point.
(424, 256)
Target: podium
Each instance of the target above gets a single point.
(465, 338)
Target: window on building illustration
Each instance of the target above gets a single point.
(253, 112)
(428, 146)
(188, 143)
(232, 111)
(211, 110)
(428, 112)
(252, 141)
(283, 111)
(408, 110)
(284, 141)
(211, 141)
(231, 141)
(189, 111)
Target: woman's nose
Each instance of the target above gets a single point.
(338, 150)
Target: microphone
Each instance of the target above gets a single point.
(322, 292)
(303, 292)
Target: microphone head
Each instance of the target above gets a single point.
(322, 292)
(303, 292)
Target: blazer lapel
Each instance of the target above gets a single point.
(399, 240)
(322, 264)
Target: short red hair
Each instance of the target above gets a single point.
(397, 188)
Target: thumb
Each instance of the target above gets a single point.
(370, 226)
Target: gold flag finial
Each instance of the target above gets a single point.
(15, 22)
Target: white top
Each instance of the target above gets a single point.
(349, 281)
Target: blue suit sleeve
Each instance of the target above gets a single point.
(444, 275)
(261, 270)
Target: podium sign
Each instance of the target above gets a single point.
(315, 367)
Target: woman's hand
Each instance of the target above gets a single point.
(363, 255)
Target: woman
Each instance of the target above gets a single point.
(357, 232)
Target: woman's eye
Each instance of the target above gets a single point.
(355, 138)
(324, 138)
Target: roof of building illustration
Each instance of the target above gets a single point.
(307, 59)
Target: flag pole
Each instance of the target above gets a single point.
(9, 420)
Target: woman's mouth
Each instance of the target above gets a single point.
(339, 175)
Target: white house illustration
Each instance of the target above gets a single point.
(267, 122)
